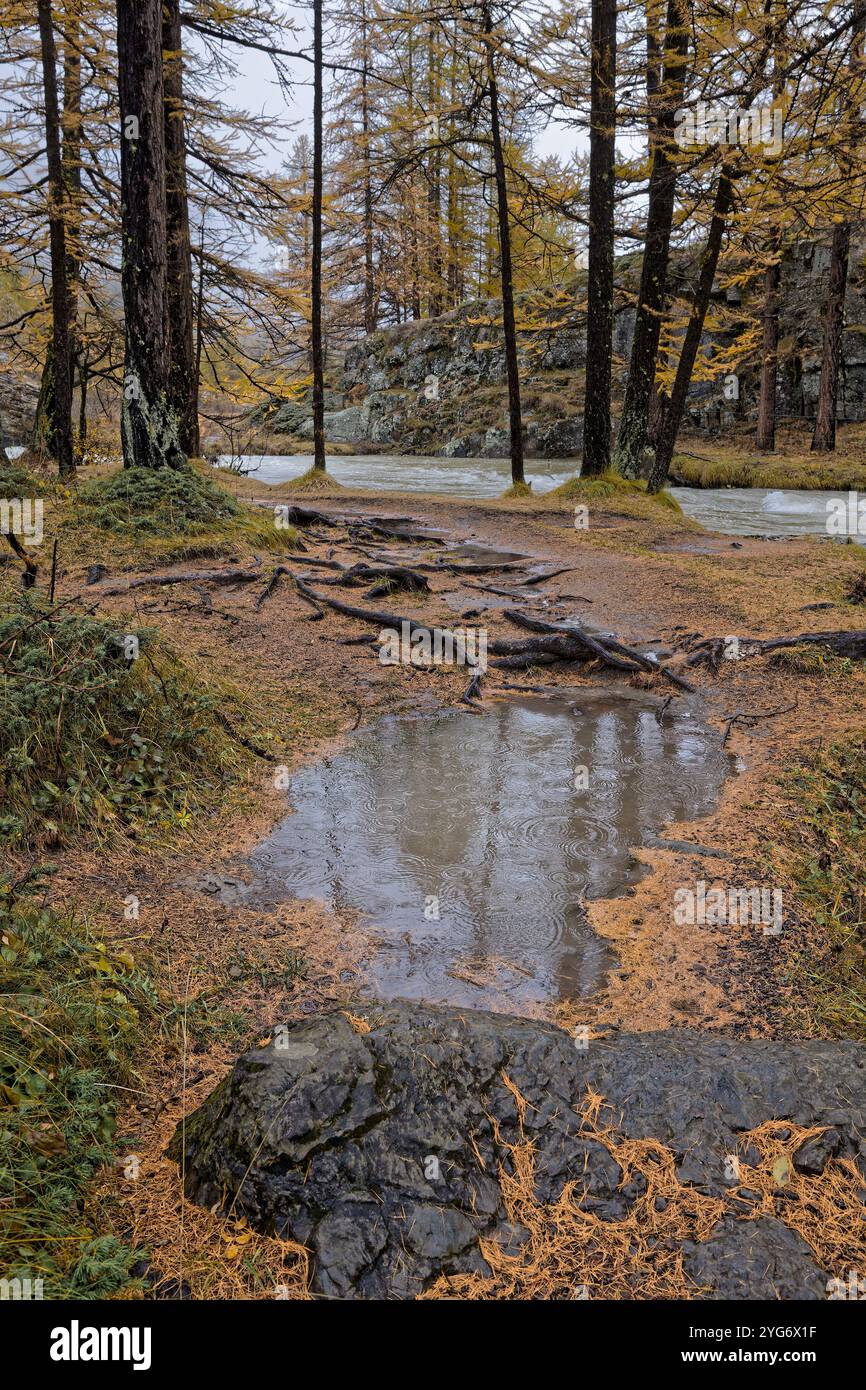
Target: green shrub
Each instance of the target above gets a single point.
(70, 1022)
(90, 739)
(156, 502)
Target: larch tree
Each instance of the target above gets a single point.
(318, 394)
(58, 436)
(599, 318)
(183, 378)
(512, 369)
(824, 435)
(664, 98)
(149, 426)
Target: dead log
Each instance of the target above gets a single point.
(605, 646)
(159, 581)
(711, 651)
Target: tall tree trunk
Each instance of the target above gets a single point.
(506, 275)
(434, 171)
(71, 158)
(4, 457)
(599, 319)
(316, 275)
(765, 435)
(824, 437)
(183, 378)
(694, 332)
(59, 434)
(634, 421)
(370, 297)
(148, 425)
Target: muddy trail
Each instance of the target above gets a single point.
(425, 834)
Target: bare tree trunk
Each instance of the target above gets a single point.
(694, 332)
(148, 425)
(765, 435)
(505, 269)
(316, 275)
(183, 377)
(634, 421)
(434, 173)
(599, 319)
(370, 297)
(824, 437)
(71, 159)
(59, 433)
(4, 457)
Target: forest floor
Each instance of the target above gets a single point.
(226, 973)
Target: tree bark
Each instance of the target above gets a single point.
(634, 421)
(316, 268)
(183, 377)
(370, 297)
(765, 435)
(148, 425)
(694, 332)
(599, 318)
(505, 269)
(58, 435)
(824, 437)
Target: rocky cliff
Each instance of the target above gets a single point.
(438, 385)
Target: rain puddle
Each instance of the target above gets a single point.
(470, 840)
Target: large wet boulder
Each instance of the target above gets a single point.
(376, 1140)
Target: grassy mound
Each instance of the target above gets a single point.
(156, 502)
(69, 1030)
(611, 485)
(518, 490)
(315, 480)
(18, 481)
(90, 739)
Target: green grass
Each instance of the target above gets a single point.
(73, 1010)
(828, 836)
(91, 740)
(611, 485)
(733, 470)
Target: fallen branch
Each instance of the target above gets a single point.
(711, 651)
(159, 581)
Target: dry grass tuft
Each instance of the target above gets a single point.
(315, 480)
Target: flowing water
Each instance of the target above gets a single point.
(735, 511)
(470, 840)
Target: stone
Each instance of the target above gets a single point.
(379, 1150)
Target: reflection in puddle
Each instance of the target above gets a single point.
(470, 842)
